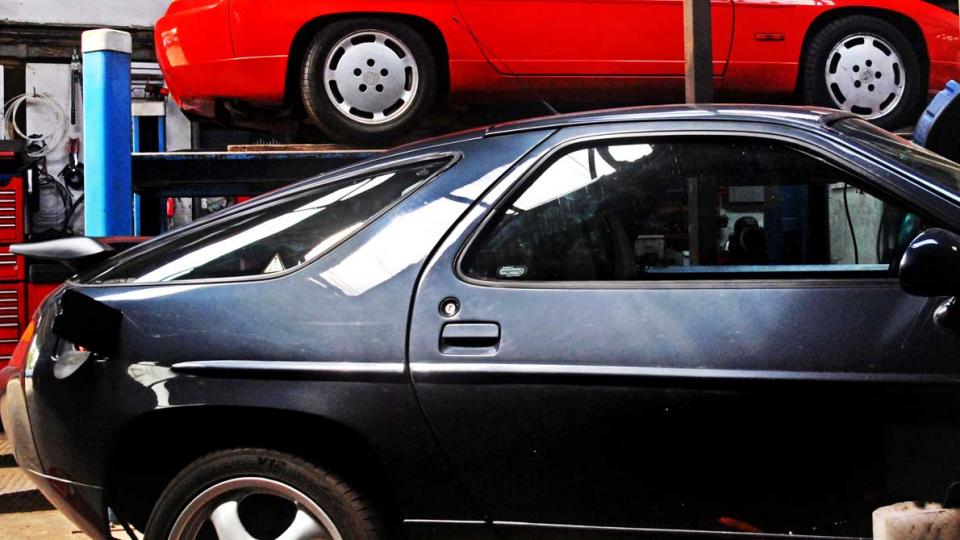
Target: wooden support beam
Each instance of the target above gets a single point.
(34, 42)
(698, 50)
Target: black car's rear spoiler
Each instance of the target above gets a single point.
(77, 253)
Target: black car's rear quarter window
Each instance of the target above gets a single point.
(277, 236)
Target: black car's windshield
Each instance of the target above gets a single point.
(932, 167)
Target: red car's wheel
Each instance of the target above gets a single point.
(865, 65)
(368, 81)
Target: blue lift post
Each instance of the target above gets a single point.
(149, 134)
(135, 147)
(108, 192)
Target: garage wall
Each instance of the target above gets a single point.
(179, 129)
(126, 13)
(53, 80)
(37, 38)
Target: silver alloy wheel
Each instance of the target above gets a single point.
(220, 506)
(865, 75)
(371, 77)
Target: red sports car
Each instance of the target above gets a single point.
(366, 71)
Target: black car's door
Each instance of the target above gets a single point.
(686, 331)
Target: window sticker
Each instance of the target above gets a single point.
(276, 265)
(512, 271)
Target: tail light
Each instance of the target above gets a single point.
(21, 361)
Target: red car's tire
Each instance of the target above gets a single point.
(865, 65)
(259, 493)
(368, 80)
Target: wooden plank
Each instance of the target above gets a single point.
(698, 51)
(56, 42)
(297, 148)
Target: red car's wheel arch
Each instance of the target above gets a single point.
(301, 41)
(904, 23)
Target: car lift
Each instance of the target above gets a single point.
(114, 174)
(159, 175)
(232, 173)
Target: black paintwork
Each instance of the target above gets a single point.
(945, 4)
(931, 264)
(622, 409)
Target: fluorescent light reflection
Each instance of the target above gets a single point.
(573, 172)
(405, 241)
(195, 259)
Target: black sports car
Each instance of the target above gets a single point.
(629, 323)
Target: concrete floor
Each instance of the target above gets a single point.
(49, 524)
(24, 514)
(45, 524)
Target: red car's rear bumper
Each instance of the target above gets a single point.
(195, 51)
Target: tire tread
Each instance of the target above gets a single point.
(363, 521)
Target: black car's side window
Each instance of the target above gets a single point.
(682, 207)
(274, 237)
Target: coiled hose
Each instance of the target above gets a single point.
(44, 143)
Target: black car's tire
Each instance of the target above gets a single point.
(841, 67)
(368, 80)
(258, 481)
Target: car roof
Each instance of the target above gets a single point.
(810, 117)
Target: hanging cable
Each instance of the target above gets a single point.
(853, 234)
(73, 210)
(56, 205)
(45, 143)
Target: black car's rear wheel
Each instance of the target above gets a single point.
(865, 65)
(367, 81)
(252, 493)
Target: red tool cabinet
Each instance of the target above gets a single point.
(13, 289)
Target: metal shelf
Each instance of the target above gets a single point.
(225, 174)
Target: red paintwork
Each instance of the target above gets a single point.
(36, 294)
(596, 50)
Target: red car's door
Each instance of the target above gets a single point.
(590, 37)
